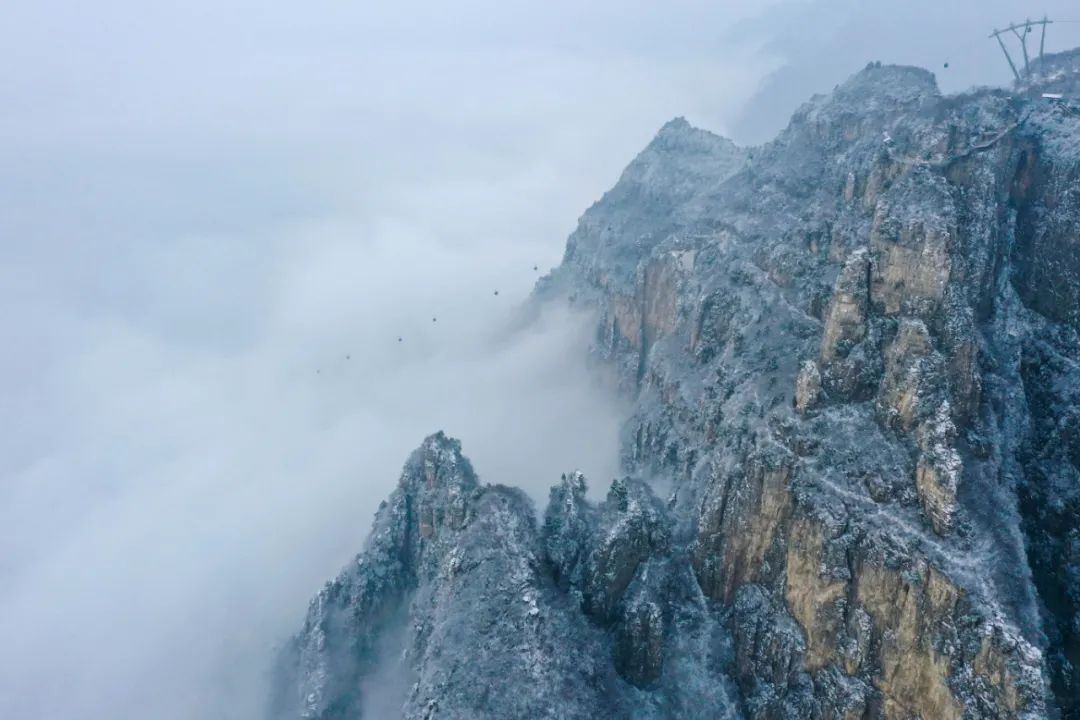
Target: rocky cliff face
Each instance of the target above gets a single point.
(855, 359)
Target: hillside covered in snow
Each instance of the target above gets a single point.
(852, 466)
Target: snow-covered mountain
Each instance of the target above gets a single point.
(852, 466)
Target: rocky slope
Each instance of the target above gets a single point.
(855, 362)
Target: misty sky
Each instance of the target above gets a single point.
(205, 207)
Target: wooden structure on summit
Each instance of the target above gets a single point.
(1021, 31)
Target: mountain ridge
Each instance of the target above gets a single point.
(853, 356)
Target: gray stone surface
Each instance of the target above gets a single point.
(854, 363)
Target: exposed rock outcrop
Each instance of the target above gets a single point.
(878, 261)
(854, 355)
(458, 569)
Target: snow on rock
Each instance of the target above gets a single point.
(854, 360)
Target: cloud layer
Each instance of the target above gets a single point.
(215, 224)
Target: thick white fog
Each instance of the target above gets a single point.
(216, 220)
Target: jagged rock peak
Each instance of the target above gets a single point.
(826, 349)
(450, 596)
(678, 134)
(437, 461)
(893, 83)
(852, 355)
(677, 137)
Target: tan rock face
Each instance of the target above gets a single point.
(910, 263)
(907, 614)
(854, 654)
(846, 321)
(812, 598)
(936, 478)
(992, 666)
(807, 387)
(910, 400)
(875, 242)
(659, 296)
(876, 182)
(653, 311)
(846, 359)
(626, 319)
(902, 386)
(894, 629)
(835, 607)
(738, 525)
